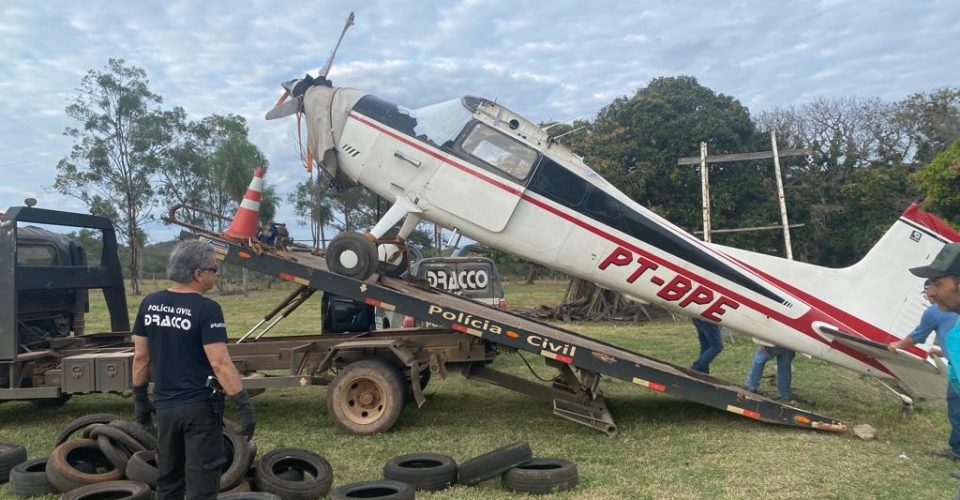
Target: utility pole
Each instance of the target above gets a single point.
(705, 191)
(704, 160)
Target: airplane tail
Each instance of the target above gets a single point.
(878, 289)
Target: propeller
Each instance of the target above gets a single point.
(297, 87)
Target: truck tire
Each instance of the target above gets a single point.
(383, 489)
(64, 476)
(541, 476)
(11, 454)
(353, 255)
(29, 479)
(116, 490)
(493, 463)
(315, 470)
(366, 397)
(81, 422)
(136, 431)
(142, 467)
(423, 471)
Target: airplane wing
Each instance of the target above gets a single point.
(923, 378)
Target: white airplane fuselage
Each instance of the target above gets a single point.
(500, 180)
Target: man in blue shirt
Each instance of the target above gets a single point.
(943, 275)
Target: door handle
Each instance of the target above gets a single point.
(404, 157)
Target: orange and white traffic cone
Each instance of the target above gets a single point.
(244, 225)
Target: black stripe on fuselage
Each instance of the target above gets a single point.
(553, 181)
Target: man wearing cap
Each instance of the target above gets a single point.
(943, 275)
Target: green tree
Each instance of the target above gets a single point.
(635, 143)
(939, 182)
(931, 120)
(120, 140)
(311, 202)
(211, 169)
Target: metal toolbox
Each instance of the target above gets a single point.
(100, 372)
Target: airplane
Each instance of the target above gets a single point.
(474, 166)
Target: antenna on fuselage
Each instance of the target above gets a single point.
(326, 65)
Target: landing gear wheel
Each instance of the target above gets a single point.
(352, 255)
(366, 397)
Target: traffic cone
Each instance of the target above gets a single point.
(244, 225)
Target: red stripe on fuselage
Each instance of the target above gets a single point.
(801, 324)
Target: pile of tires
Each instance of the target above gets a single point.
(515, 464)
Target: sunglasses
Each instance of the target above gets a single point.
(211, 269)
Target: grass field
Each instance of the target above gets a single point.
(666, 448)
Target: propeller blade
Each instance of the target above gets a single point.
(287, 108)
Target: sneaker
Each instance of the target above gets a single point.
(945, 453)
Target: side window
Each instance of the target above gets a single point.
(501, 152)
(559, 184)
(601, 205)
(37, 255)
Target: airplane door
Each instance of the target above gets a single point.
(486, 184)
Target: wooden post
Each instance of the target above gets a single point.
(705, 190)
(783, 203)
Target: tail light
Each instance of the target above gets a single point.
(502, 304)
(408, 322)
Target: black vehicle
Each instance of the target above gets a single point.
(44, 315)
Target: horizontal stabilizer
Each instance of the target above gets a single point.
(919, 377)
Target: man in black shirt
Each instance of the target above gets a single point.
(179, 341)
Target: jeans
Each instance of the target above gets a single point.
(784, 370)
(953, 415)
(711, 343)
(189, 451)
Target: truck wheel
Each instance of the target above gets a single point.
(122, 489)
(314, 472)
(353, 255)
(366, 397)
(64, 465)
(142, 467)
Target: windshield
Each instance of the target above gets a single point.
(441, 122)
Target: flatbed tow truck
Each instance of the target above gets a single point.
(371, 375)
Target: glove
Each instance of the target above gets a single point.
(248, 424)
(142, 407)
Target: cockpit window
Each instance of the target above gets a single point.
(442, 122)
(501, 152)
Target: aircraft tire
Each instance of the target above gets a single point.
(366, 397)
(353, 255)
(541, 476)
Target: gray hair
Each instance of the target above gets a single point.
(187, 257)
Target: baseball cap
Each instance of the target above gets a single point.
(947, 263)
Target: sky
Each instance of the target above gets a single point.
(547, 60)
